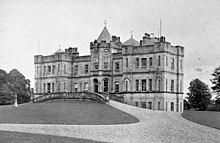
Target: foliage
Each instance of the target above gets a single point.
(199, 95)
(186, 105)
(11, 83)
(216, 82)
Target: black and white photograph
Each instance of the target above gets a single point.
(109, 71)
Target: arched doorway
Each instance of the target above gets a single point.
(96, 85)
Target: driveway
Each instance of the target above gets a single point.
(154, 126)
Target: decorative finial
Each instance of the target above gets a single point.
(59, 46)
(105, 23)
(131, 34)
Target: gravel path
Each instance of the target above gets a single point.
(154, 126)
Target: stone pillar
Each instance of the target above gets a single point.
(16, 101)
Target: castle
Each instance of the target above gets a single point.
(149, 73)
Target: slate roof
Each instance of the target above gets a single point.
(104, 36)
(131, 41)
(59, 51)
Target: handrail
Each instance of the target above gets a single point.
(70, 95)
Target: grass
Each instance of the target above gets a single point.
(207, 118)
(17, 137)
(65, 112)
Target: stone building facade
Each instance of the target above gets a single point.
(149, 73)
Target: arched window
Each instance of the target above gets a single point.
(159, 61)
(126, 85)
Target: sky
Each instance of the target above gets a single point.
(31, 27)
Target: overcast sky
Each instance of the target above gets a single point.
(194, 25)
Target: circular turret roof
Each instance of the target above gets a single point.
(130, 42)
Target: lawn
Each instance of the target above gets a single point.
(207, 118)
(65, 112)
(16, 137)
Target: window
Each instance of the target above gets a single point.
(48, 69)
(36, 87)
(105, 85)
(58, 86)
(80, 87)
(105, 65)
(151, 61)
(143, 84)
(126, 49)
(144, 62)
(166, 61)
(136, 104)
(166, 84)
(172, 86)
(137, 85)
(158, 105)
(159, 84)
(76, 87)
(150, 105)
(53, 87)
(44, 69)
(172, 63)
(172, 106)
(37, 69)
(181, 64)
(86, 86)
(76, 69)
(159, 61)
(48, 87)
(143, 104)
(116, 86)
(96, 66)
(58, 67)
(137, 63)
(86, 68)
(181, 85)
(126, 85)
(64, 68)
(64, 86)
(53, 69)
(150, 84)
(44, 87)
(116, 65)
(126, 62)
(166, 106)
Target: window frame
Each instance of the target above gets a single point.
(143, 62)
(143, 85)
(117, 66)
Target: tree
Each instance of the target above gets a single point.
(6, 95)
(216, 82)
(11, 83)
(19, 85)
(3, 77)
(199, 95)
(186, 105)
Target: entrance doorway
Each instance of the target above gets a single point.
(96, 85)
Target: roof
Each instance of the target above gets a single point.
(131, 41)
(59, 51)
(104, 36)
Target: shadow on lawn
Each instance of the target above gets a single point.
(207, 118)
